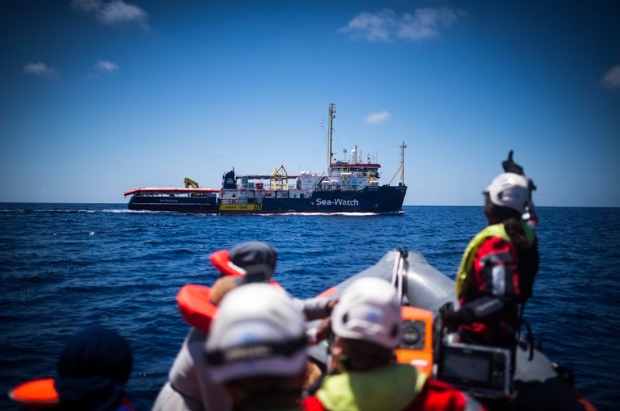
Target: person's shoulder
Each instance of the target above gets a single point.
(493, 244)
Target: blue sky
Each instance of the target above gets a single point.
(99, 97)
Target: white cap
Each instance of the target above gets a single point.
(509, 190)
(258, 330)
(369, 310)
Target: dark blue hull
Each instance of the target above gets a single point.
(379, 199)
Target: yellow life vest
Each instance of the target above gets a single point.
(392, 387)
(467, 262)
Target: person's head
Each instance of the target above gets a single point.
(92, 369)
(257, 346)
(367, 324)
(198, 304)
(506, 197)
(254, 260)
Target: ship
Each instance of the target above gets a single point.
(346, 187)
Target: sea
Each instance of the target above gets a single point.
(64, 267)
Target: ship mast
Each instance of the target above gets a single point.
(401, 181)
(330, 133)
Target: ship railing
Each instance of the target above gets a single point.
(164, 194)
(236, 201)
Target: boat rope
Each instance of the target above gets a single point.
(398, 274)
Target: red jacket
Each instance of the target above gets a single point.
(435, 396)
(498, 279)
(397, 387)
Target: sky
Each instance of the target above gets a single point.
(98, 97)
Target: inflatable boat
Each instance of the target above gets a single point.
(534, 383)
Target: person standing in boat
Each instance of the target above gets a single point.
(367, 324)
(498, 267)
(189, 387)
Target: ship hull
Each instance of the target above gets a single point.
(378, 199)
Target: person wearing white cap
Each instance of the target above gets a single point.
(498, 267)
(367, 325)
(257, 348)
(189, 387)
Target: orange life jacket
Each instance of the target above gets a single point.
(194, 301)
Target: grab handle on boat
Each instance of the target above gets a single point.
(398, 274)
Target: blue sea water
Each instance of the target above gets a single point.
(66, 266)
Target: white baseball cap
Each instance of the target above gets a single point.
(257, 331)
(509, 190)
(369, 310)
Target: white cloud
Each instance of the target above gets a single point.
(425, 23)
(108, 66)
(378, 118)
(386, 25)
(118, 12)
(115, 12)
(87, 6)
(39, 69)
(611, 79)
(371, 27)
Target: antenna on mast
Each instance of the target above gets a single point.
(401, 180)
(330, 133)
